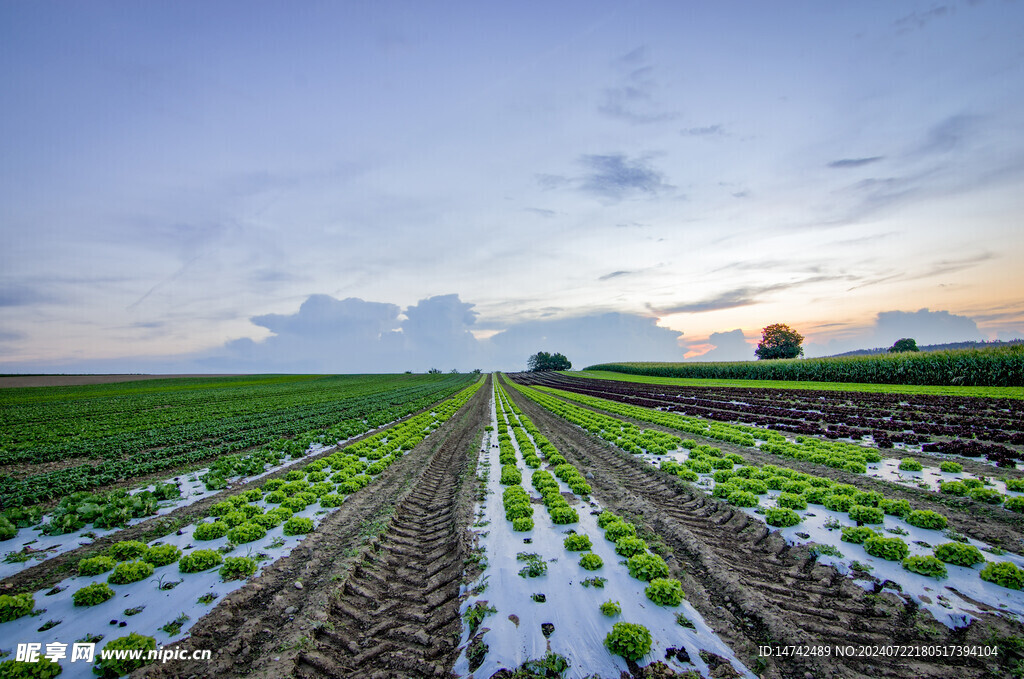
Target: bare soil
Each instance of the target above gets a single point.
(753, 588)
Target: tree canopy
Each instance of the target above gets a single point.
(779, 341)
(542, 360)
(905, 344)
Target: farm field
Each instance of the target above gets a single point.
(516, 525)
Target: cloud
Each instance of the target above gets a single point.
(614, 274)
(632, 99)
(552, 181)
(614, 176)
(322, 315)
(326, 335)
(950, 134)
(854, 162)
(15, 295)
(587, 340)
(727, 346)
(925, 326)
(708, 131)
(918, 20)
(730, 299)
(541, 212)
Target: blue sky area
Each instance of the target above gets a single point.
(360, 187)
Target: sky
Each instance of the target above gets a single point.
(378, 187)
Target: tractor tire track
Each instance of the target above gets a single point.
(287, 611)
(752, 587)
(397, 614)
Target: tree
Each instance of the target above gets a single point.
(905, 344)
(779, 341)
(542, 360)
(433, 371)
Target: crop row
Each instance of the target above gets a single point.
(1002, 367)
(342, 418)
(629, 640)
(253, 517)
(744, 486)
(973, 427)
(842, 455)
(838, 454)
(39, 416)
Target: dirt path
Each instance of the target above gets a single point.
(754, 589)
(378, 581)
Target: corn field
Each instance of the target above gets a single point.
(997, 367)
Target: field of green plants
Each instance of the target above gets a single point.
(995, 367)
(525, 525)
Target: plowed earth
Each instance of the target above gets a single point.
(753, 588)
(373, 592)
